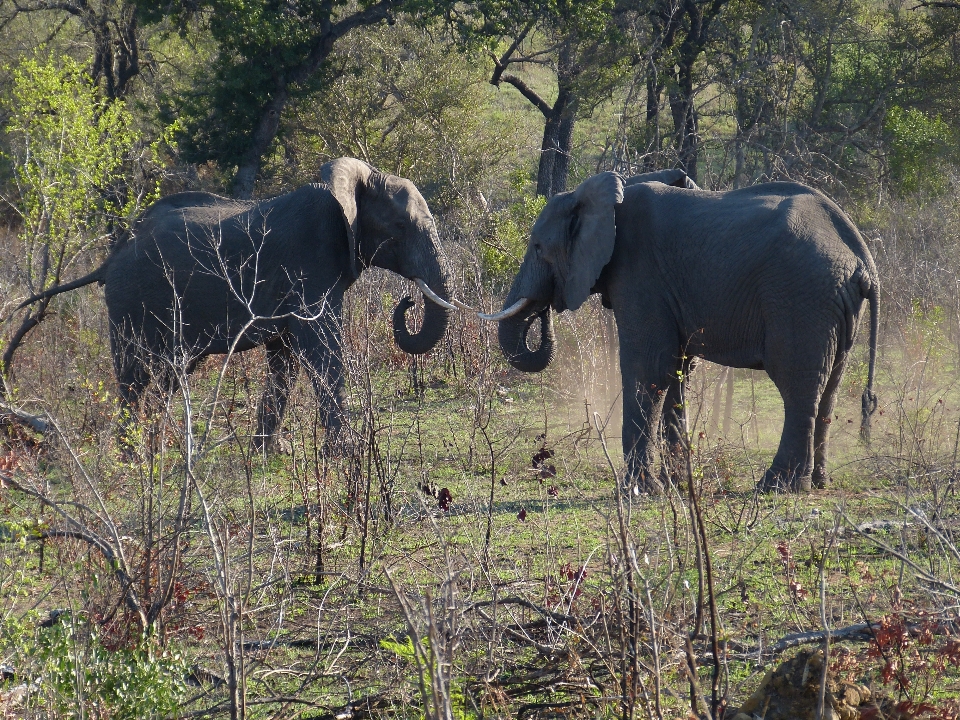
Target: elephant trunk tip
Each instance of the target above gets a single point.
(512, 335)
(435, 321)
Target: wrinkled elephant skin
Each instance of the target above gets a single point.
(202, 274)
(770, 277)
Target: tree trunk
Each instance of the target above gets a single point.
(686, 127)
(551, 130)
(246, 177)
(653, 140)
(685, 120)
(561, 160)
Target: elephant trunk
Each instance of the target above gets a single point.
(512, 334)
(435, 318)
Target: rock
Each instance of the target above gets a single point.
(792, 692)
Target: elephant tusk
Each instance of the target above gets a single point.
(455, 305)
(508, 313)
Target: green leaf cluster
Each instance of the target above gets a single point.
(68, 147)
(72, 673)
(80, 165)
(503, 249)
(918, 145)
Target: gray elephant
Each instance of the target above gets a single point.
(203, 274)
(768, 277)
(675, 177)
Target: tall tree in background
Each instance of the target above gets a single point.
(677, 33)
(267, 54)
(820, 89)
(110, 27)
(578, 42)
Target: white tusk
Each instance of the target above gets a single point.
(455, 305)
(462, 306)
(509, 312)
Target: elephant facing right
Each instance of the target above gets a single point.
(769, 277)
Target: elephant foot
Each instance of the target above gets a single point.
(339, 441)
(819, 479)
(779, 481)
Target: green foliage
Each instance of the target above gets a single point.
(401, 648)
(484, 22)
(405, 650)
(72, 673)
(918, 146)
(409, 103)
(503, 249)
(80, 165)
(266, 51)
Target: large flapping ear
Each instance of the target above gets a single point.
(675, 177)
(593, 233)
(346, 178)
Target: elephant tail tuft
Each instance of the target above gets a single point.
(868, 402)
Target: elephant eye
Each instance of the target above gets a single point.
(537, 249)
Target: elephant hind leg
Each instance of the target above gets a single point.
(281, 373)
(821, 429)
(792, 467)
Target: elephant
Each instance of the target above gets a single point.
(202, 274)
(771, 277)
(675, 177)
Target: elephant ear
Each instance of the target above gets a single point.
(593, 233)
(346, 178)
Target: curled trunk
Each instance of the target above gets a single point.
(512, 334)
(435, 320)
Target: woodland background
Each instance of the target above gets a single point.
(473, 560)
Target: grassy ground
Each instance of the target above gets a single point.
(475, 554)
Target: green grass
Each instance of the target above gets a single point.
(564, 553)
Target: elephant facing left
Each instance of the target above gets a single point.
(202, 274)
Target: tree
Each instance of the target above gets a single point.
(814, 85)
(268, 55)
(70, 152)
(578, 42)
(406, 101)
(115, 36)
(673, 39)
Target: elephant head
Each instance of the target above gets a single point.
(390, 226)
(571, 242)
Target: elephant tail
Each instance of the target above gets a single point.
(96, 276)
(868, 402)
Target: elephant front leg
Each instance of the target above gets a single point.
(282, 370)
(322, 354)
(642, 411)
